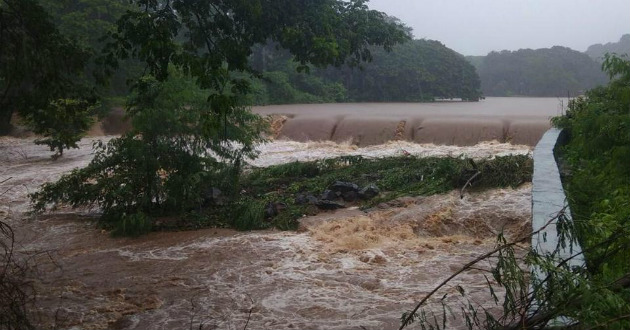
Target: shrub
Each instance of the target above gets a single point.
(63, 123)
(179, 147)
(249, 215)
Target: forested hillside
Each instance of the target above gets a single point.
(554, 72)
(597, 51)
(418, 70)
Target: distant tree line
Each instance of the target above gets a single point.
(622, 47)
(416, 71)
(555, 72)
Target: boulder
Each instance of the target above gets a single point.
(302, 199)
(329, 205)
(311, 199)
(272, 209)
(369, 192)
(349, 196)
(329, 195)
(342, 187)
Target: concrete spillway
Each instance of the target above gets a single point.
(507, 120)
(515, 120)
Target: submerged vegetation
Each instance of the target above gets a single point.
(394, 176)
(243, 205)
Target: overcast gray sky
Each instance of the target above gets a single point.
(476, 27)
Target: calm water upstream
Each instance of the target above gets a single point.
(514, 120)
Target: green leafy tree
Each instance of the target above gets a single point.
(62, 123)
(175, 152)
(189, 138)
(40, 69)
(88, 22)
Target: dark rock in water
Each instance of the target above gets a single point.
(349, 196)
(369, 192)
(329, 195)
(343, 187)
(329, 205)
(272, 209)
(212, 195)
(301, 199)
(311, 199)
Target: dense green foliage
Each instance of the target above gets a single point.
(87, 22)
(555, 71)
(418, 70)
(129, 210)
(563, 293)
(598, 51)
(211, 40)
(62, 123)
(165, 163)
(598, 155)
(395, 176)
(41, 73)
(190, 131)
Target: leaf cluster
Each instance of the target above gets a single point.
(598, 180)
(209, 40)
(395, 176)
(178, 148)
(41, 76)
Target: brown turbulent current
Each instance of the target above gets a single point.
(341, 270)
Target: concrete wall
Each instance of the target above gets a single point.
(549, 200)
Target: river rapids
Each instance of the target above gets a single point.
(347, 269)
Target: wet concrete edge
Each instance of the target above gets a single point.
(549, 200)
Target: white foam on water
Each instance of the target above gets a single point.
(287, 279)
(282, 151)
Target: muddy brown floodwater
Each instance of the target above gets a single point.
(519, 120)
(342, 270)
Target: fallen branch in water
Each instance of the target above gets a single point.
(461, 193)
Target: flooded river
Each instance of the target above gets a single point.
(518, 120)
(342, 270)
